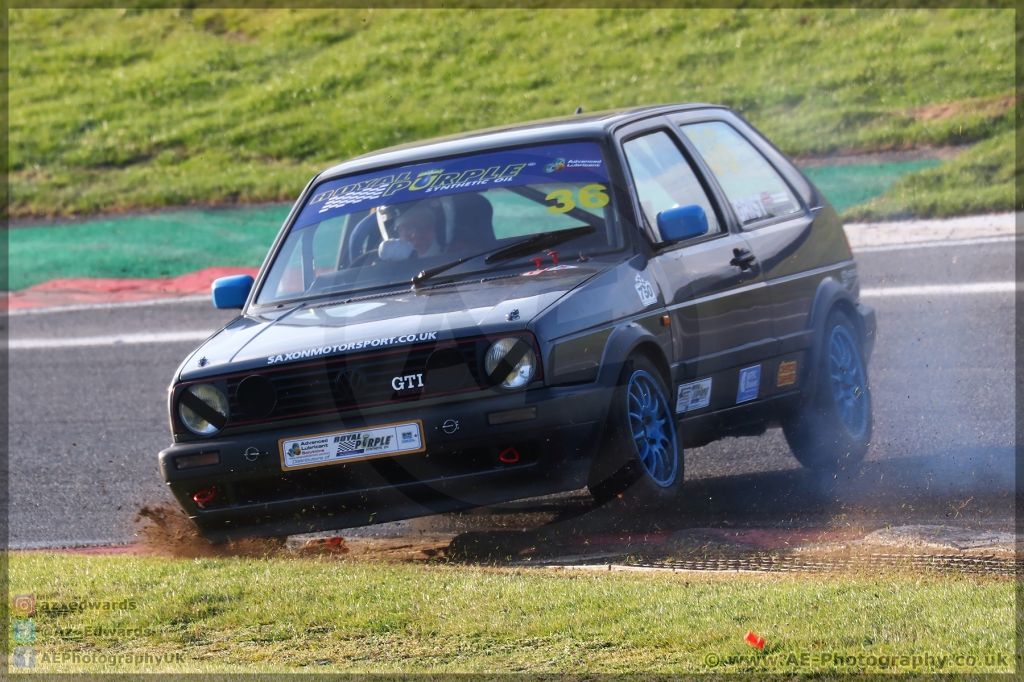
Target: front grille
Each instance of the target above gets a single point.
(313, 388)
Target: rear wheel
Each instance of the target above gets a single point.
(641, 460)
(833, 428)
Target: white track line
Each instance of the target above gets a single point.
(933, 244)
(117, 340)
(106, 306)
(941, 290)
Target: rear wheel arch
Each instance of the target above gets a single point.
(831, 296)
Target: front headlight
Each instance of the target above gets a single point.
(203, 409)
(510, 363)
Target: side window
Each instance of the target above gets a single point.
(753, 187)
(664, 179)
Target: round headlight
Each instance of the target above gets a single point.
(510, 363)
(203, 409)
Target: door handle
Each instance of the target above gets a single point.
(743, 259)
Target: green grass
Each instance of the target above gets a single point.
(332, 616)
(113, 109)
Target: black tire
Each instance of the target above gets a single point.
(832, 429)
(624, 470)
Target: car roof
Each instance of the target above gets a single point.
(531, 132)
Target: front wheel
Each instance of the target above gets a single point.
(641, 459)
(833, 428)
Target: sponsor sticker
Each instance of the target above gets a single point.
(749, 208)
(750, 383)
(561, 164)
(787, 374)
(352, 445)
(850, 278)
(646, 291)
(693, 396)
(357, 345)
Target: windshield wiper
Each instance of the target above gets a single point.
(538, 242)
(521, 248)
(424, 275)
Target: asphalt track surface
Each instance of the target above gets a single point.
(86, 421)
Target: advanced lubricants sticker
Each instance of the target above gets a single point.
(351, 445)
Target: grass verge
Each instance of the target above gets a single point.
(115, 109)
(345, 616)
(981, 180)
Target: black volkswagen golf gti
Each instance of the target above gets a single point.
(523, 311)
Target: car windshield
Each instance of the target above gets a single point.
(383, 228)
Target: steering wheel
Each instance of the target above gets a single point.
(364, 259)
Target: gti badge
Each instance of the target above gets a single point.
(513, 316)
(450, 426)
(407, 381)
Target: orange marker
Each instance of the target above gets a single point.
(755, 641)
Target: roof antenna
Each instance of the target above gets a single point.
(579, 110)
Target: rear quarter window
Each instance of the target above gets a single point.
(755, 190)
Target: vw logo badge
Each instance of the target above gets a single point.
(450, 426)
(351, 383)
(252, 454)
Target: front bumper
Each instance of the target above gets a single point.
(458, 470)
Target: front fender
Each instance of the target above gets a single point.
(623, 342)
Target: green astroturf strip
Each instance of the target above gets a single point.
(172, 244)
(848, 186)
(159, 245)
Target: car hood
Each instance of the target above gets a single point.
(322, 329)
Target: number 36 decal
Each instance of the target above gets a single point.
(589, 196)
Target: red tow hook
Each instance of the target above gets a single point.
(204, 496)
(509, 456)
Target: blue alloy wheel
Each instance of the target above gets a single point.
(849, 389)
(651, 425)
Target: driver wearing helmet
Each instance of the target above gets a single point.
(416, 227)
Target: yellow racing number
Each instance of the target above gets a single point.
(590, 196)
(563, 201)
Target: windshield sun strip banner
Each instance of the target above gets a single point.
(574, 162)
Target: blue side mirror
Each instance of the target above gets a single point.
(231, 292)
(682, 222)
